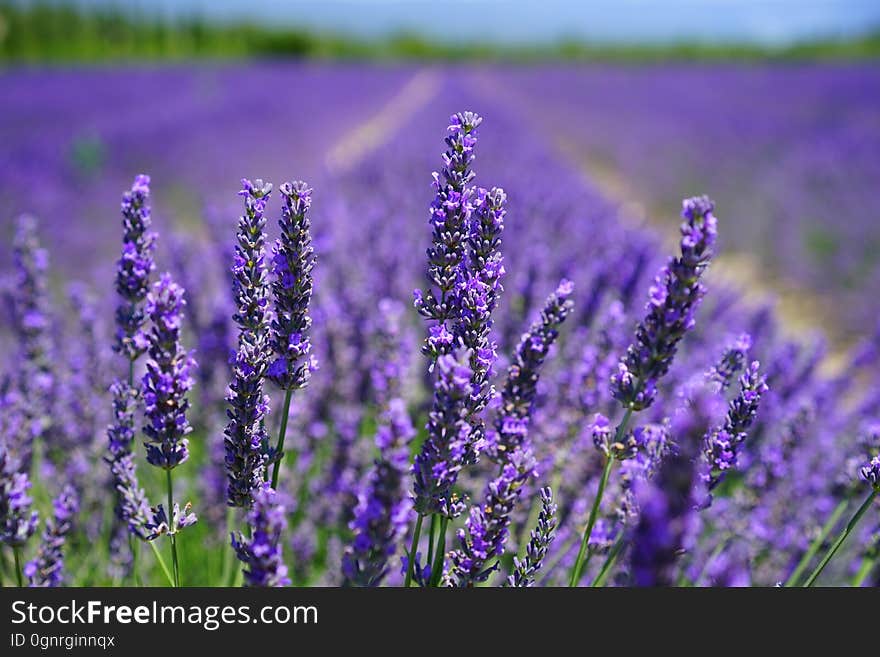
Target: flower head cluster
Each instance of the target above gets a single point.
(732, 362)
(245, 433)
(541, 537)
(450, 220)
(132, 507)
(518, 396)
(18, 521)
(32, 325)
(134, 268)
(721, 446)
(486, 528)
(161, 525)
(380, 518)
(437, 465)
(168, 378)
(48, 567)
(674, 299)
(666, 520)
(871, 472)
(261, 553)
(293, 259)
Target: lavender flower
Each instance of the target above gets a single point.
(518, 396)
(134, 268)
(248, 405)
(721, 446)
(437, 465)
(48, 567)
(731, 363)
(675, 296)
(161, 525)
(541, 537)
(871, 472)
(261, 553)
(18, 521)
(450, 220)
(32, 325)
(293, 260)
(168, 378)
(486, 528)
(380, 519)
(479, 298)
(666, 520)
(132, 507)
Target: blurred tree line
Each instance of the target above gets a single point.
(45, 31)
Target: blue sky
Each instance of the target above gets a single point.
(518, 21)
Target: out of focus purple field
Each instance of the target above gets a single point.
(768, 412)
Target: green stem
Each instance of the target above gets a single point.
(817, 543)
(683, 581)
(279, 448)
(16, 551)
(437, 567)
(594, 512)
(172, 530)
(227, 553)
(412, 551)
(850, 526)
(864, 570)
(432, 536)
(161, 561)
(610, 560)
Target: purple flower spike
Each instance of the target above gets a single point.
(450, 220)
(132, 507)
(168, 378)
(31, 323)
(520, 388)
(134, 268)
(674, 299)
(437, 466)
(261, 553)
(18, 521)
(48, 568)
(245, 434)
(293, 259)
(542, 536)
(721, 446)
(382, 514)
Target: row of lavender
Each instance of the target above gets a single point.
(789, 150)
(624, 444)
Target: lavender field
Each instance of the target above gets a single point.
(625, 336)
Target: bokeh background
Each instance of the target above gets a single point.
(770, 106)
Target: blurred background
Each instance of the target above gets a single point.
(770, 106)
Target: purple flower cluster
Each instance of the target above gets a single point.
(520, 387)
(248, 404)
(168, 378)
(383, 509)
(261, 551)
(525, 569)
(674, 299)
(134, 268)
(31, 321)
(450, 221)
(293, 260)
(18, 521)
(47, 569)
(486, 528)
(132, 507)
(721, 445)
(441, 458)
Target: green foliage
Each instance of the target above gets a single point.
(60, 32)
